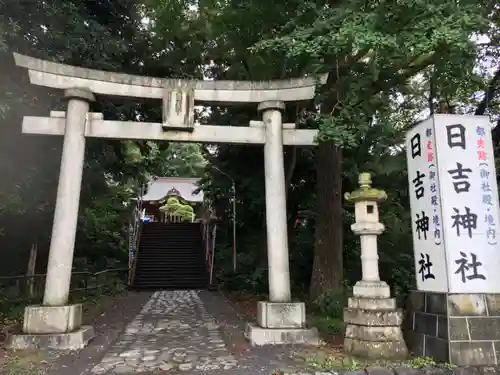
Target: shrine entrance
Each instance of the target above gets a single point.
(172, 199)
(280, 321)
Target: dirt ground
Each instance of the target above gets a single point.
(246, 306)
(107, 314)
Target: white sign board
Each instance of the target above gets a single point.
(454, 204)
(425, 201)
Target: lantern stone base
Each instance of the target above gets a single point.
(461, 329)
(52, 327)
(373, 328)
(371, 289)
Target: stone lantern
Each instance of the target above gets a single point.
(373, 323)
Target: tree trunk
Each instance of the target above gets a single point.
(327, 272)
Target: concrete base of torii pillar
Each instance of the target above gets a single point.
(52, 327)
(281, 323)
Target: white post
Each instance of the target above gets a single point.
(369, 255)
(62, 243)
(277, 241)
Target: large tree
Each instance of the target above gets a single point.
(368, 49)
(108, 35)
(372, 52)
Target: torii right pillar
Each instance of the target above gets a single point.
(280, 321)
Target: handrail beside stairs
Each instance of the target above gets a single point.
(135, 238)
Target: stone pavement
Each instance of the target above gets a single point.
(172, 332)
(183, 332)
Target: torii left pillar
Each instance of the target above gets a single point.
(55, 324)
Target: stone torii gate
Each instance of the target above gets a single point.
(56, 324)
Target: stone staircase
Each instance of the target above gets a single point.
(170, 256)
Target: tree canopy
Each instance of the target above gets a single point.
(390, 63)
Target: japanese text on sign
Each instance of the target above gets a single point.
(486, 191)
(426, 215)
(436, 221)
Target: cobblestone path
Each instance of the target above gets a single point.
(172, 332)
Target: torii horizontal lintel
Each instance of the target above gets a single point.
(62, 76)
(98, 128)
(100, 116)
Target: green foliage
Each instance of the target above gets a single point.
(338, 361)
(247, 278)
(333, 362)
(88, 289)
(254, 281)
(104, 224)
(101, 35)
(184, 160)
(331, 303)
(176, 208)
(327, 326)
(369, 48)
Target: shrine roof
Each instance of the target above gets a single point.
(186, 187)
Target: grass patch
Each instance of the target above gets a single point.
(24, 363)
(92, 299)
(11, 312)
(38, 362)
(323, 359)
(326, 314)
(326, 325)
